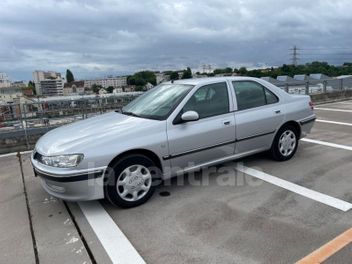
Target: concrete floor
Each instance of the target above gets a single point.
(246, 221)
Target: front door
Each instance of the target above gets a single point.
(209, 138)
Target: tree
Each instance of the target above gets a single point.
(227, 71)
(96, 88)
(142, 78)
(32, 86)
(243, 71)
(69, 76)
(174, 76)
(110, 89)
(187, 74)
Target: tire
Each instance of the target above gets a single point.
(131, 181)
(285, 143)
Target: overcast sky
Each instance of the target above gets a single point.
(99, 37)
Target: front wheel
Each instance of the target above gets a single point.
(285, 143)
(131, 181)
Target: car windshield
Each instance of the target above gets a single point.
(157, 103)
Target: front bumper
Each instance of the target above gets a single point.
(71, 184)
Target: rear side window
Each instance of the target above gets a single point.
(251, 94)
(270, 97)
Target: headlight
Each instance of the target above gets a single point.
(62, 161)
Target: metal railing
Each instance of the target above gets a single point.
(22, 124)
(311, 86)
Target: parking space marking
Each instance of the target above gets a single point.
(333, 122)
(345, 102)
(329, 144)
(329, 249)
(333, 109)
(314, 195)
(115, 243)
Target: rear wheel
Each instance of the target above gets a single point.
(131, 181)
(285, 143)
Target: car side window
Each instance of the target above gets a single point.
(270, 97)
(251, 94)
(209, 100)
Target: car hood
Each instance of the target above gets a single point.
(99, 130)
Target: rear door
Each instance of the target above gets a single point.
(259, 114)
(209, 138)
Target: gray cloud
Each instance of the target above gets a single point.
(98, 37)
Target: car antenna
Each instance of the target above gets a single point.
(172, 81)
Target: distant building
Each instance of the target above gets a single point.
(115, 82)
(74, 88)
(130, 88)
(10, 94)
(49, 81)
(318, 76)
(44, 75)
(301, 77)
(117, 91)
(4, 80)
(284, 78)
(19, 84)
(51, 87)
(102, 91)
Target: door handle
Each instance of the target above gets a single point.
(226, 123)
(277, 111)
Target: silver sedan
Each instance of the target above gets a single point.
(174, 128)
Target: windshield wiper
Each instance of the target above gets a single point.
(129, 113)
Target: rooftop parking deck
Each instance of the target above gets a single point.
(254, 210)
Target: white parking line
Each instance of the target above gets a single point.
(333, 145)
(115, 243)
(346, 102)
(314, 195)
(333, 122)
(333, 109)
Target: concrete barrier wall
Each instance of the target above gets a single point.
(331, 97)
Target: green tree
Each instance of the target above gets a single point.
(110, 89)
(142, 78)
(69, 76)
(226, 70)
(187, 74)
(174, 76)
(242, 71)
(32, 86)
(96, 88)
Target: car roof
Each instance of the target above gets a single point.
(207, 80)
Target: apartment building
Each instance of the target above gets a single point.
(4, 80)
(52, 87)
(116, 82)
(48, 83)
(74, 88)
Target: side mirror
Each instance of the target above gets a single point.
(190, 116)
